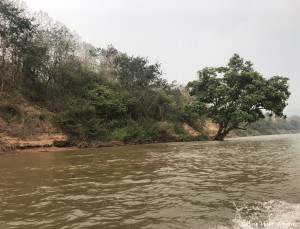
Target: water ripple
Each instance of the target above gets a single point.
(174, 185)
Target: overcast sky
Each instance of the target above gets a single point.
(188, 35)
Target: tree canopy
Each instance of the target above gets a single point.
(236, 95)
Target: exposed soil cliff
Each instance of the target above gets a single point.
(24, 125)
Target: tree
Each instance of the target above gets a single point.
(136, 72)
(16, 34)
(239, 97)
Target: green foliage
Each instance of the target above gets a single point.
(16, 34)
(136, 132)
(11, 114)
(108, 104)
(136, 71)
(80, 119)
(95, 93)
(238, 98)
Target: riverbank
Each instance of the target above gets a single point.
(26, 127)
(79, 145)
(96, 144)
(61, 142)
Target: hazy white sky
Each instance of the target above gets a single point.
(188, 35)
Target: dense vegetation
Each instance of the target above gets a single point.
(93, 93)
(96, 94)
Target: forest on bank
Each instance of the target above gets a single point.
(94, 93)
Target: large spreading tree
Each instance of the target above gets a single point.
(236, 95)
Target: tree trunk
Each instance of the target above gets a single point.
(2, 84)
(220, 136)
(222, 133)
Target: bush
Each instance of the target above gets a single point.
(136, 132)
(11, 114)
(80, 119)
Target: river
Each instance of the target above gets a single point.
(251, 182)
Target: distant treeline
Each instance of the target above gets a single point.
(269, 126)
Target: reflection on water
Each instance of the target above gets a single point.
(230, 184)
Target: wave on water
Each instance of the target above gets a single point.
(271, 214)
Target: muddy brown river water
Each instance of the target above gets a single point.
(251, 182)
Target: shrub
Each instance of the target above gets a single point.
(136, 132)
(11, 114)
(81, 120)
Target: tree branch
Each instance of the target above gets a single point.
(242, 128)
